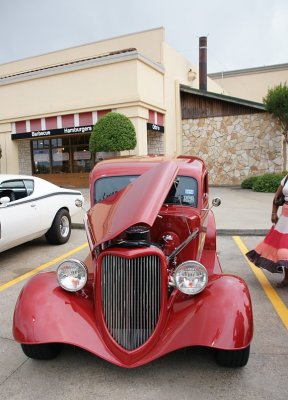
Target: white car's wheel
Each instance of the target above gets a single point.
(60, 230)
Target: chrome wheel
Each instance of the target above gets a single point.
(64, 226)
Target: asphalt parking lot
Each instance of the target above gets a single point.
(185, 374)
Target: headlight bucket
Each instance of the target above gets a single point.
(190, 277)
(72, 275)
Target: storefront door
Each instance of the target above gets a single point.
(63, 160)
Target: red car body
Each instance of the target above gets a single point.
(128, 313)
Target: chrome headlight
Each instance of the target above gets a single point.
(72, 275)
(190, 277)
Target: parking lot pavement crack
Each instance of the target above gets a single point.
(12, 373)
(6, 338)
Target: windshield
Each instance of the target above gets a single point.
(183, 191)
(105, 187)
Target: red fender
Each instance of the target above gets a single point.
(210, 240)
(209, 256)
(219, 317)
(45, 313)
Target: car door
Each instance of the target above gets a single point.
(19, 219)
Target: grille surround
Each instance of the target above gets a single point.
(131, 297)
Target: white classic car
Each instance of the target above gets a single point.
(31, 207)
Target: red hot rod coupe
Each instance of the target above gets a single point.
(152, 282)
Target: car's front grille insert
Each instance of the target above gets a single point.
(131, 298)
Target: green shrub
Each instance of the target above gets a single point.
(264, 183)
(113, 132)
(248, 183)
(0, 152)
(268, 183)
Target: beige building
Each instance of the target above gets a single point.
(251, 83)
(50, 103)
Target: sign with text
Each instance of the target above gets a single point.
(53, 132)
(155, 128)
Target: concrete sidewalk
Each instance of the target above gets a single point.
(242, 211)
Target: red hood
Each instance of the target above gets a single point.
(137, 203)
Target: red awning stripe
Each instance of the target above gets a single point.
(60, 121)
(156, 118)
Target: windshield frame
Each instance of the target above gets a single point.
(173, 199)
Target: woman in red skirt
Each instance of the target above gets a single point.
(272, 253)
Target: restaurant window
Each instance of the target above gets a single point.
(41, 156)
(83, 159)
(62, 155)
(60, 149)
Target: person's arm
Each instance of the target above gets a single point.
(274, 216)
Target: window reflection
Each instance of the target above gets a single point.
(62, 155)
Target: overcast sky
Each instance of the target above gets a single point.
(241, 34)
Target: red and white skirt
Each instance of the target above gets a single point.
(272, 253)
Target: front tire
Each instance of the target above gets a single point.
(232, 358)
(46, 351)
(60, 230)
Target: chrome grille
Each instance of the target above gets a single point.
(131, 297)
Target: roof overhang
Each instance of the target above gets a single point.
(222, 97)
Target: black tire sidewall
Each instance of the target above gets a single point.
(54, 235)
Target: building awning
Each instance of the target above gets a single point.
(155, 121)
(79, 123)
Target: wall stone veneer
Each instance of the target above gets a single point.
(24, 157)
(235, 147)
(155, 142)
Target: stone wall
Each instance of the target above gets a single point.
(24, 157)
(235, 147)
(155, 142)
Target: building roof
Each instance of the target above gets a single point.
(112, 53)
(89, 62)
(218, 96)
(249, 71)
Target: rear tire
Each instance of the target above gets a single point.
(232, 358)
(60, 230)
(45, 351)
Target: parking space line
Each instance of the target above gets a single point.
(271, 293)
(41, 267)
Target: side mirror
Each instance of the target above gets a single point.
(4, 201)
(216, 202)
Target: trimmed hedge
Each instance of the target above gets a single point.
(113, 132)
(265, 183)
